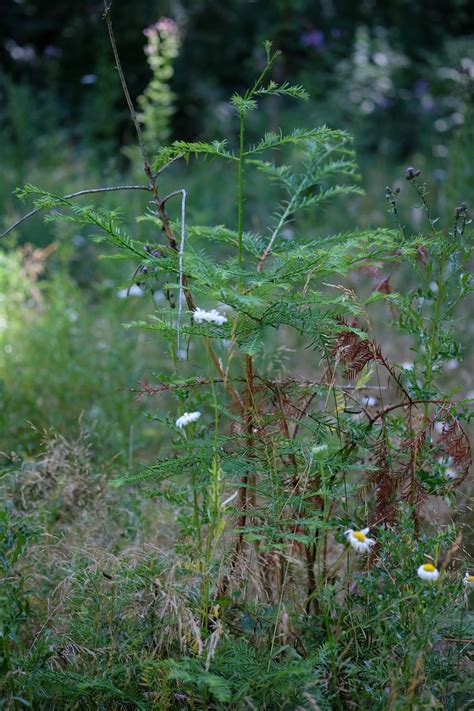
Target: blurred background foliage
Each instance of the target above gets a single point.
(394, 68)
(399, 76)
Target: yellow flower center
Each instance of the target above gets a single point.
(470, 578)
(429, 568)
(359, 535)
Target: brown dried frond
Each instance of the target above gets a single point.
(385, 484)
(61, 476)
(148, 389)
(455, 444)
(354, 352)
(345, 337)
(357, 356)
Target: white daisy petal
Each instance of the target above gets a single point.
(450, 473)
(468, 580)
(359, 541)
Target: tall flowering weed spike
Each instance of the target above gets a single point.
(187, 418)
(359, 540)
(203, 316)
(428, 571)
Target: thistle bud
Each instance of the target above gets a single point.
(411, 173)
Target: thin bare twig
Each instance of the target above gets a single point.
(167, 164)
(89, 191)
(171, 195)
(146, 163)
(158, 202)
(411, 403)
(181, 275)
(131, 108)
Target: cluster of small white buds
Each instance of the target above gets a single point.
(203, 316)
(187, 418)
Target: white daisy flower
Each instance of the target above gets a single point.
(407, 365)
(428, 571)
(187, 418)
(359, 540)
(449, 471)
(468, 580)
(203, 316)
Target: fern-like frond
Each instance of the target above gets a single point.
(186, 149)
(284, 89)
(299, 135)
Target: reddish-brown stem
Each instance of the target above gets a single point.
(410, 403)
(249, 426)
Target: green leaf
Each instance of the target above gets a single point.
(285, 89)
(243, 105)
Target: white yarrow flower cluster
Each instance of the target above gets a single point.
(187, 418)
(428, 571)
(203, 316)
(359, 540)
